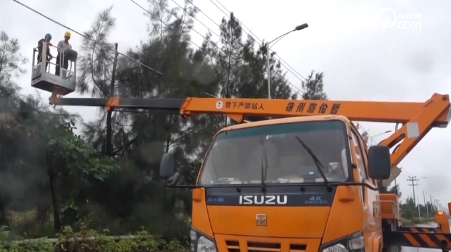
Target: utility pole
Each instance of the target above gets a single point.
(437, 205)
(109, 130)
(413, 180)
(426, 204)
(432, 205)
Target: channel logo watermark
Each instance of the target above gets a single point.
(387, 18)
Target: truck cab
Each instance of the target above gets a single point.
(292, 184)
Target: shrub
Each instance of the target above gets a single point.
(87, 240)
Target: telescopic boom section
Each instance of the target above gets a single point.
(417, 118)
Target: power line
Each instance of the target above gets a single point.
(144, 9)
(249, 31)
(189, 1)
(261, 41)
(126, 56)
(238, 20)
(86, 37)
(291, 84)
(413, 180)
(172, 14)
(208, 28)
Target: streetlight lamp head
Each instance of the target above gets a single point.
(300, 27)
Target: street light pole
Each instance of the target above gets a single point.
(268, 70)
(268, 67)
(418, 196)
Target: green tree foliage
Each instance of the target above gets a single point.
(313, 87)
(40, 154)
(68, 176)
(96, 78)
(241, 69)
(394, 189)
(230, 67)
(417, 213)
(134, 195)
(11, 63)
(47, 168)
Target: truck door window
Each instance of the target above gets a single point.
(360, 162)
(358, 152)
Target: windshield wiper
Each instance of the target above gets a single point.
(318, 164)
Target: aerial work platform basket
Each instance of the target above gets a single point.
(41, 77)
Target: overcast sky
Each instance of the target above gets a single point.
(361, 48)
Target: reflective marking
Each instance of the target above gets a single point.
(219, 104)
(413, 131)
(427, 240)
(412, 240)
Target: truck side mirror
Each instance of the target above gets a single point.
(379, 162)
(167, 169)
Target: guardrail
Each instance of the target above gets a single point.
(63, 239)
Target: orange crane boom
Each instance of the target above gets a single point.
(417, 117)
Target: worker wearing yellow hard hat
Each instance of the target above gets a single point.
(63, 45)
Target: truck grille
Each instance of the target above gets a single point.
(298, 247)
(234, 246)
(263, 247)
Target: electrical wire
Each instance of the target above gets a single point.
(241, 43)
(286, 65)
(228, 14)
(255, 36)
(298, 90)
(86, 37)
(183, 22)
(208, 28)
(189, 1)
(124, 55)
(291, 84)
(140, 63)
(144, 9)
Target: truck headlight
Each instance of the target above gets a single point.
(201, 242)
(205, 245)
(356, 242)
(350, 243)
(336, 248)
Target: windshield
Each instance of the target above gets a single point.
(273, 152)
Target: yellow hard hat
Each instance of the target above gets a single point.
(67, 34)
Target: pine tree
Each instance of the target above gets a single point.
(313, 87)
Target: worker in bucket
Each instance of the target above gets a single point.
(48, 55)
(62, 46)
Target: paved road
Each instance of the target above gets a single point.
(409, 249)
